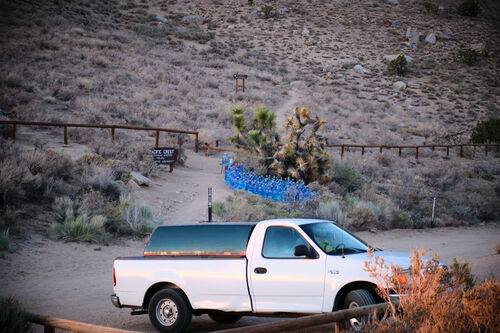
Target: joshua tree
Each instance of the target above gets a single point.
(304, 156)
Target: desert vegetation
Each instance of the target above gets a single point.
(13, 317)
(436, 298)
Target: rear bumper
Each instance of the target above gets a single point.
(116, 301)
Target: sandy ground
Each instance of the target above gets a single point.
(74, 281)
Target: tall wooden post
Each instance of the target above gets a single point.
(236, 88)
(196, 143)
(112, 133)
(13, 131)
(157, 138)
(65, 135)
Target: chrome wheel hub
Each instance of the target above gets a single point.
(167, 312)
(356, 323)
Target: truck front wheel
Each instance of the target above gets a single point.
(169, 311)
(354, 299)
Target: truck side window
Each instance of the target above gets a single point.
(280, 242)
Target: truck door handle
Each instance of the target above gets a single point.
(260, 270)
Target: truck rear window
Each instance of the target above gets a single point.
(218, 240)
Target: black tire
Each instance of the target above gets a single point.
(354, 299)
(224, 318)
(169, 311)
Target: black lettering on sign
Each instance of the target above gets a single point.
(164, 155)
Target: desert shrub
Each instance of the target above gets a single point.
(436, 299)
(13, 317)
(139, 219)
(469, 8)
(80, 228)
(468, 56)
(153, 31)
(5, 242)
(347, 176)
(101, 179)
(398, 66)
(331, 210)
(304, 156)
(268, 11)
(63, 206)
(431, 7)
(487, 131)
(90, 159)
(248, 207)
(186, 32)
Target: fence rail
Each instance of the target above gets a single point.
(113, 127)
(486, 147)
(310, 321)
(51, 323)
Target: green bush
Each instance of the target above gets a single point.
(348, 177)
(431, 7)
(331, 210)
(139, 219)
(268, 11)
(248, 207)
(486, 131)
(469, 8)
(80, 228)
(468, 56)
(13, 318)
(398, 66)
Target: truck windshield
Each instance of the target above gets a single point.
(333, 239)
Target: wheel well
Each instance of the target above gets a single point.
(159, 286)
(341, 294)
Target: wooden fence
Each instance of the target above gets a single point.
(417, 149)
(343, 146)
(113, 128)
(50, 324)
(310, 321)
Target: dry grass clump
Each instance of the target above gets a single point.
(249, 207)
(13, 317)
(436, 298)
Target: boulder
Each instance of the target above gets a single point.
(140, 179)
(413, 85)
(412, 35)
(349, 63)
(161, 18)
(399, 85)
(359, 68)
(431, 38)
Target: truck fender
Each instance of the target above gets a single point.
(153, 289)
(341, 294)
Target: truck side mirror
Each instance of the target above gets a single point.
(303, 250)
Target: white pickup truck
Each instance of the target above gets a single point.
(273, 267)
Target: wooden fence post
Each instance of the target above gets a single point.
(485, 150)
(416, 153)
(157, 138)
(65, 135)
(447, 151)
(380, 148)
(342, 152)
(461, 151)
(112, 133)
(362, 151)
(196, 143)
(13, 131)
(399, 152)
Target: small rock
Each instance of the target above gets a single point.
(478, 47)
(295, 83)
(305, 32)
(328, 69)
(50, 100)
(397, 23)
(412, 35)
(393, 2)
(399, 85)
(194, 18)
(359, 68)
(283, 10)
(254, 15)
(373, 230)
(431, 38)
(140, 179)
(161, 18)
(331, 75)
(413, 85)
(442, 35)
(231, 26)
(390, 57)
(349, 63)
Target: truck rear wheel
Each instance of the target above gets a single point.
(354, 299)
(169, 311)
(224, 318)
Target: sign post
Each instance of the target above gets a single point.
(242, 77)
(209, 204)
(165, 156)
